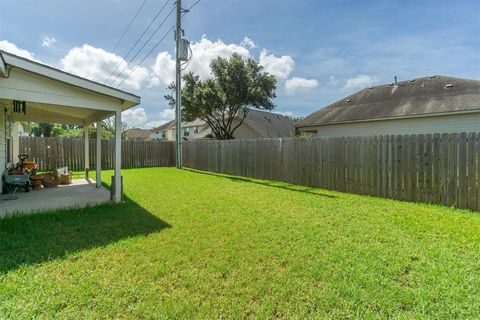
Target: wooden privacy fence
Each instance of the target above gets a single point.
(51, 153)
(438, 168)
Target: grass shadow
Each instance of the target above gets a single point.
(274, 184)
(36, 238)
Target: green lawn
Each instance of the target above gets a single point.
(188, 244)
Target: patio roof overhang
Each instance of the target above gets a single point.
(55, 96)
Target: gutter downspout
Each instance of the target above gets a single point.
(3, 67)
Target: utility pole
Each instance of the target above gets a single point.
(178, 113)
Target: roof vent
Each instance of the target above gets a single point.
(348, 100)
(450, 85)
(411, 81)
(370, 88)
(432, 77)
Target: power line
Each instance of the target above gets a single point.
(193, 5)
(130, 24)
(140, 50)
(138, 40)
(178, 87)
(126, 30)
(146, 56)
(154, 47)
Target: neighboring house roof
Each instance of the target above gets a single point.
(170, 124)
(266, 124)
(413, 98)
(269, 124)
(138, 134)
(195, 123)
(9, 59)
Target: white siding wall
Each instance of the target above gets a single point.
(438, 124)
(157, 135)
(25, 85)
(242, 132)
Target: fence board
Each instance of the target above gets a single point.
(51, 153)
(472, 172)
(439, 168)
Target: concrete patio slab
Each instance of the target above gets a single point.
(78, 194)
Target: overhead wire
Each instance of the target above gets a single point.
(145, 57)
(156, 45)
(129, 25)
(126, 30)
(138, 40)
(193, 5)
(120, 74)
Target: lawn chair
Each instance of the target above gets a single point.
(14, 177)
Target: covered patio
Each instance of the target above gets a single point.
(79, 194)
(33, 92)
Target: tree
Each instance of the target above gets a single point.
(41, 129)
(236, 85)
(107, 130)
(108, 126)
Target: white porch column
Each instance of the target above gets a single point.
(118, 156)
(98, 157)
(15, 141)
(87, 151)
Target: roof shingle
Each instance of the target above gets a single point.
(422, 96)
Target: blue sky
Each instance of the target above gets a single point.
(320, 51)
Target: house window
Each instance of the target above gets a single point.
(195, 130)
(164, 134)
(186, 132)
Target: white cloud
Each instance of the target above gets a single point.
(359, 82)
(247, 42)
(165, 116)
(295, 85)
(333, 81)
(205, 50)
(154, 124)
(285, 113)
(163, 69)
(135, 118)
(97, 64)
(280, 67)
(12, 48)
(47, 41)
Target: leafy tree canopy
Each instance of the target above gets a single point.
(107, 130)
(223, 101)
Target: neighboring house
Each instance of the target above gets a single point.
(257, 124)
(138, 134)
(435, 104)
(163, 132)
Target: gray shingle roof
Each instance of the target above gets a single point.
(269, 124)
(165, 126)
(422, 96)
(266, 124)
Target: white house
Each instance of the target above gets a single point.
(435, 104)
(257, 124)
(30, 91)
